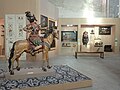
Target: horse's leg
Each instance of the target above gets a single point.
(47, 60)
(43, 58)
(18, 64)
(17, 60)
(12, 64)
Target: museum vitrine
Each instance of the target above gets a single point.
(69, 36)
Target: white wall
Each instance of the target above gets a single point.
(96, 21)
(67, 13)
(48, 9)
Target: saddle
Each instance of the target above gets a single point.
(35, 41)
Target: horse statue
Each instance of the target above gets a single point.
(21, 46)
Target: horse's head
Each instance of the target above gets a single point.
(30, 17)
(55, 34)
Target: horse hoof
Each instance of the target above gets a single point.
(11, 73)
(33, 54)
(44, 69)
(49, 67)
(9, 70)
(18, 68)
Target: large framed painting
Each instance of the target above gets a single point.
(69, 36)
(51, 24)
(105, 30)
(44, 21)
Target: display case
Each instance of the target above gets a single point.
(69, 36)
(98, 42)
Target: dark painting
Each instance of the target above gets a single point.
(44, 21)
(51, 24)
(105, 30)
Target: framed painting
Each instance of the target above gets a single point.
(69, 36)
(105, 30)
(44, 21)
(51, 24)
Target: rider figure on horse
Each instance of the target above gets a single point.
(34, 29)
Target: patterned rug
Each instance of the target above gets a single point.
(64, 74)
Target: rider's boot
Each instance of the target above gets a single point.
(32, 52)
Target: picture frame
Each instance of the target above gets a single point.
(69, 36)
(44, 21)
(51, 24)
(105, 30)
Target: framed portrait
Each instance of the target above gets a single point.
(51, 24)
(44, 21)
(69, 36)
(105, 30)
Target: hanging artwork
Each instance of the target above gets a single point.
(104, 30)
(44, 21)
(51, 24)
(85, 38)
(69, 36)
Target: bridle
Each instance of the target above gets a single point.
(54, 34)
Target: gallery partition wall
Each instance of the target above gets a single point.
(69, 37)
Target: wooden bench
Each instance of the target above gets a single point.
(101, 54)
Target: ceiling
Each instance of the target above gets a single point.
(76, 5)
(81, 8)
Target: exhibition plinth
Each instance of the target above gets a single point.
(64, 78)
(29, 73)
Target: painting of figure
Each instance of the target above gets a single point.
(85, 38)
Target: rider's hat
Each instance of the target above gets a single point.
(30, 17)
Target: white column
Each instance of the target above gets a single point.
(107, 8)
(119, 9)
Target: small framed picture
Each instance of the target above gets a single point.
(105, 30)
(44, 21)
(51, 24)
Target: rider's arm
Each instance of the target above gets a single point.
(26, 29)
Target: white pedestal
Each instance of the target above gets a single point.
(28, 73)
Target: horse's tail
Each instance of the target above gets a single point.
(11, 55)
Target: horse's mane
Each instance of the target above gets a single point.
(47, 33)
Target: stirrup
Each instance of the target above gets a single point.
(32, 52)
